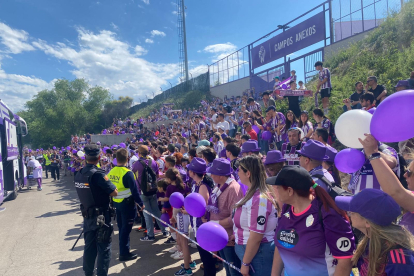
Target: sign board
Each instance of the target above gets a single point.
(298, 37)
(288, 92)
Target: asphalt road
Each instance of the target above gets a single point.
(38, 229)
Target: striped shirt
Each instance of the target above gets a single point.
(274, 122)
(254, 107)
(325, 74)
(289, 153)
(259, 215)
(306, 128)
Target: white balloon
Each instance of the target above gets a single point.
(352, 125)
(81, 153)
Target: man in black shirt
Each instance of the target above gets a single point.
(54, 166)
(379, 91)
(353, 101)
(294, 100)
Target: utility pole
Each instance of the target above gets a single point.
(182, 39)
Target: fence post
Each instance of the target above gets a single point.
(331, 22)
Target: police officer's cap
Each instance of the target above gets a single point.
(92, 150)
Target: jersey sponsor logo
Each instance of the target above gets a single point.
(343, 244)
(261, 220)
(288, 238)
(309, 220)
(81, 185)
(287, 215)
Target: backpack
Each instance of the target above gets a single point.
(148, 182)
(334, 190)
(402, 166)
(331, 132)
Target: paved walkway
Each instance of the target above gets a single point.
(38, 229)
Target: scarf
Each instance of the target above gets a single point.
(213, 200)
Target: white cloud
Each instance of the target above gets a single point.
(150, 41)
(115, 27)
(220, 48)
(104, 60)
(146, 1)
(139, 50)
(157, 33)
(15, 41)
(174, 12)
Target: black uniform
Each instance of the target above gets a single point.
(93, 188)
(54, 166)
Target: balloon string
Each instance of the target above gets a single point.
(188, 238)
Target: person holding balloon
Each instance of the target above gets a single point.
(224, 197)
(255, 220)
(202, 185)
(313, 236)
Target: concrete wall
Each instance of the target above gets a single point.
(331, 50)
(110, 139)
(234, 88)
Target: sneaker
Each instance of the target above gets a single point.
(193, 265)
(173, 250)
(179, 256)
(147, 238)
(184, 271)
(128, 257)
(170, 241)
(165, 233)
(174, 254)
(140, 229)
(39, 189)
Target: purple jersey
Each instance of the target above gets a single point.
(306, 128)
(325, 74)
(254, 107)
(365, 177)
(279, 119)
(407, 220)
(289, 153)
(307, 247)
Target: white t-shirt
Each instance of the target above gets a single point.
(213, 119)
(225, 124)
(133, 160)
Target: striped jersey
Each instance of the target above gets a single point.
(325, 74)
(290, 154)
(259, 215)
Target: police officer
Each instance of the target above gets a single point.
(47, 162)
(124, 202)
(94, 190)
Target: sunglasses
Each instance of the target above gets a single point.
(409, 173)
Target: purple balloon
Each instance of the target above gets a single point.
(184, 135)
(349, 160)
(212, 236)
(60, 152)
(384, 127)
(123, 132)
(41, 149)
(114, 125)
(372, 110)
(122, 145)
(54, 148)
(73, 170)
(117, 134)
(284, 86)
(195, 205)
(74, 151)
(68, 148)
(256, 128)
(177, 200)
(83, 157)
(37, 150)
(165, 218)
(30, 150)
(266, 135)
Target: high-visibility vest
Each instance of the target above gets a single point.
(48, 162)
(115, 176)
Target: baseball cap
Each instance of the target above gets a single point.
(372, 204)
(292, 176)
(204, 143)
(403, 83)
(92, 150)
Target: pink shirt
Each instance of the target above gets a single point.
(259, 215)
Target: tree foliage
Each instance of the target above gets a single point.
(71, 107)
(117, 109)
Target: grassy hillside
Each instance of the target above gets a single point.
(388, 53)
(181, 100)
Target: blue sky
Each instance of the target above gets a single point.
(127, 46)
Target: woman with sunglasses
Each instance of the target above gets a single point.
(255, 219)
(386, 248)
(313, 236)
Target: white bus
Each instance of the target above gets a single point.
(12, 169)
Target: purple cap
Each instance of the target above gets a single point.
(197, 165)
(250, 146)
(221, 167)
(372, 204)
(403, 83)
(274, 156)
(314, 150)
(330, 154)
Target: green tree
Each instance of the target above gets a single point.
(71, 107)
(116, 109)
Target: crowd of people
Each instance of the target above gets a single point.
(268, 178)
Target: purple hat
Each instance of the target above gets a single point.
(330, 154)
(314, 150)
(250, 146)
(274, 156)
(197, 165)
(114, 146)
(221, 167)
(403, 83)
(372, 204)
